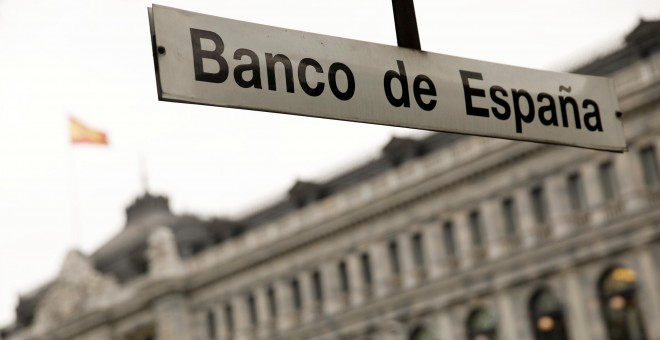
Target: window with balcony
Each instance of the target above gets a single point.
(211, 330)
(366, 269)
(344, 284)
(510, 218)
(539, 205)
(649, 160)
(252, 310)
(476, 226)
(317, 285)
(393, 251)
(229, 318)
(623, 318)
(418, 250)
(547, 316)
(296, 296)
(481, 325)
(448, 239)
(421, 333)
(608, 181)
(272, 302)
(576, 193)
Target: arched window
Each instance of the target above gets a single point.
(421, 333)
(546, 316)
(481, 325)
(617, 288)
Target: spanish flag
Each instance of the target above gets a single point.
(81, 133)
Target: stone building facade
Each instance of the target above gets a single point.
(445, 237)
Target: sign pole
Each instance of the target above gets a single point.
(407, 34)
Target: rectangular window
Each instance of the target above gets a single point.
(318, 286)
(475, 228)
(576, 193)
(272, 302)
(608, 181)
(650, 166)
(295, 294)
(252, 310)
(393, 250)
(448, 235)
(366, 269)
(210, 325)
(229, 318)
(539, 205)
(343, 278)
(418, 250)
(510, 217)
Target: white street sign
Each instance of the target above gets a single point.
(208, 60)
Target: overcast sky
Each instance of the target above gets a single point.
(92, 59)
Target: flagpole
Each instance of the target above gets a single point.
(143, 174)
(76, 229)
(79, 133)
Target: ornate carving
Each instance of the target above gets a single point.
(162, 253)
(77, 289)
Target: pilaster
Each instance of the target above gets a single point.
(171, 317)
(507, 320)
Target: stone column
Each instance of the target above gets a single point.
(330, 283)
(526, 219)
(172, 317)
(309, 304)
(220, 321)
(464, 240)
(444, 326)
(592, 304)
(284, 300)
(408, 268)
(162, 254)
(447, 262)
(356, 279)
(558, 205)
(242, 322)
(507, 318)
(631, 179)
(433, 248)
(576, 311)
(381, 268)
(263, 311)
(491, 211)
(649, 293)
(594, 192)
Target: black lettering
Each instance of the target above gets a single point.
(469, 92)
(520, 117)
(332, 80)
(597, 125)
(419, 91)
(550, 107)
(253, 66)
(506, 113)
(302, 77)
(270, 69)
(564, 102)
(199, 55)
(403, 80)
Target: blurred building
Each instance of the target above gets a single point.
(446, 237)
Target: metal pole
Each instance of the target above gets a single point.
(405, 22)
